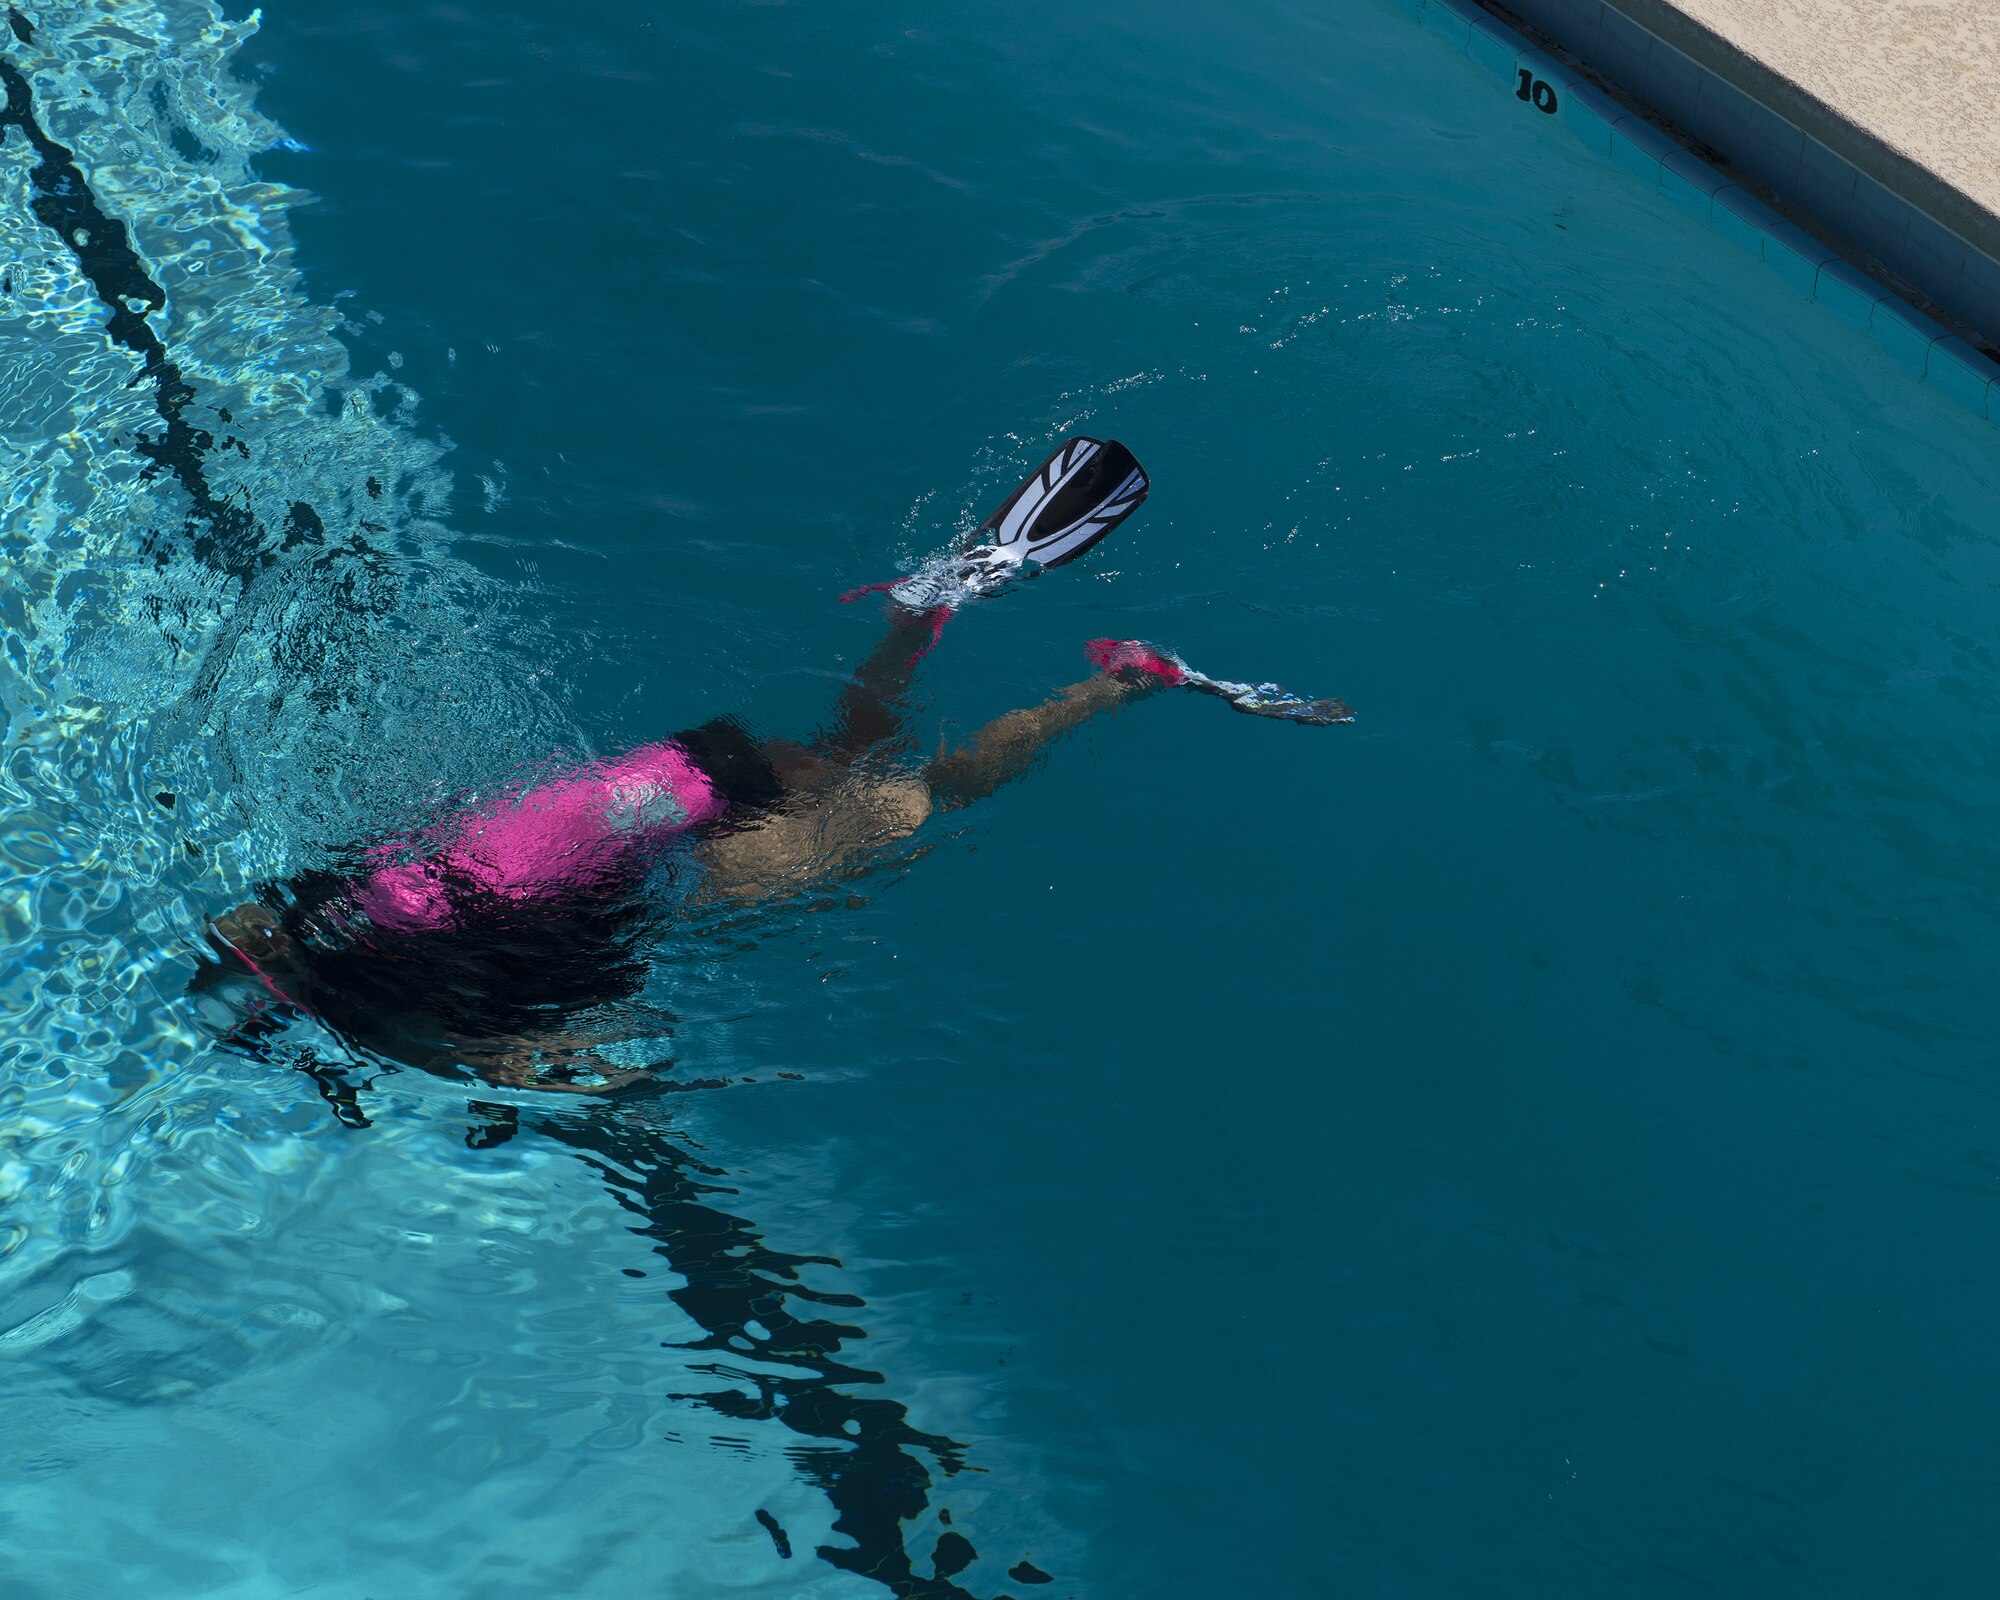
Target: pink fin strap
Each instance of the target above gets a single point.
(868, 589)
(1135, 655)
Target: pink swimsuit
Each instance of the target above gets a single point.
(584, 832)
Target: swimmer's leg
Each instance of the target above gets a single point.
(1008, 746)
(1064, 507)
(870, 709)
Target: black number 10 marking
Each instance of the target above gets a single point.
(1536, 90)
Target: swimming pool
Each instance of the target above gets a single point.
(1530, 1142)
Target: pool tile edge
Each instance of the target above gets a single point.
(1932, 353)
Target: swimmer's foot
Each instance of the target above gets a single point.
(1135, 662)
(1066, 505)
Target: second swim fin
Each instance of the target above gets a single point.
(1073, 499)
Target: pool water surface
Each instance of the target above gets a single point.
(1533, 1141)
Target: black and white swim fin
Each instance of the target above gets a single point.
(1077, 496)
(1072, 500)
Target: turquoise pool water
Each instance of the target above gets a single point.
(1535, 1141)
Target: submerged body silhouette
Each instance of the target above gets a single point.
(499, 946)
(496, 943)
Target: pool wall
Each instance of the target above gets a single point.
(1774, 153)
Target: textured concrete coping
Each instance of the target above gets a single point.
(1906, 90)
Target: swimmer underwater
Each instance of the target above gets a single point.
(491, 946)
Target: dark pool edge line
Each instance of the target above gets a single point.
(1607, 116)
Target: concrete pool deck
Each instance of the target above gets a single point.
(1875, 122)
(1908, 87)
